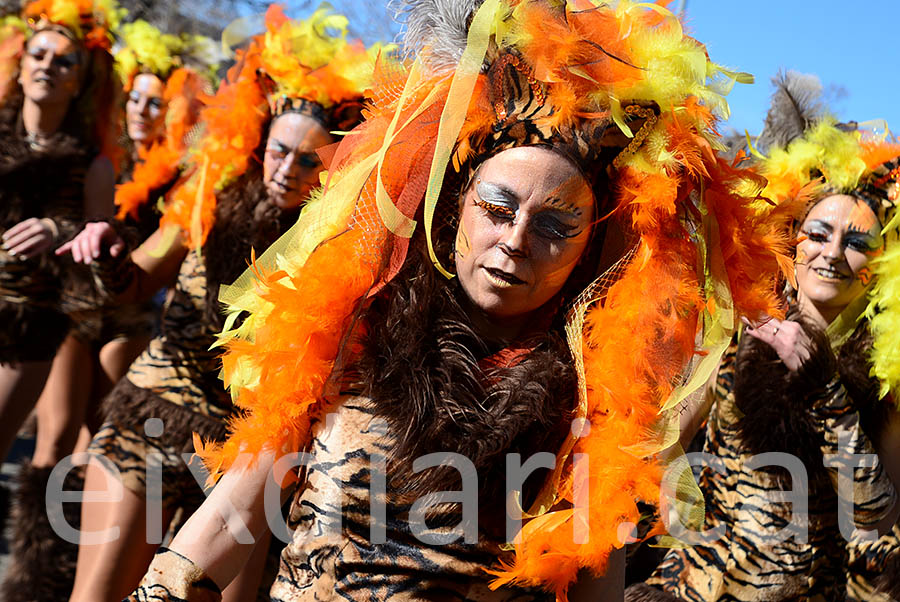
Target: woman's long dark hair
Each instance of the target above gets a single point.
(420, 364)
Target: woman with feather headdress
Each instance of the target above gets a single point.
(801, 387)
(58, 95)
(510, 259)
(248, 175)
(162, 105)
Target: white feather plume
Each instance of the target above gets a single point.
(441, 26)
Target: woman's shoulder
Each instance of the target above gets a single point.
(347, 426)
(347, 407)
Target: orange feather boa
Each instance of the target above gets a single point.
(159, 165)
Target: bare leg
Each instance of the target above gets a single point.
(113, 362)
(84, 439)
(110, 571)
(20, 388)
(246, 584)
(62, 407)
(115, 358)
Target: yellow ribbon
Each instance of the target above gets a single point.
(718, 317)
(197, 209)
(843, 326)
(454, 114)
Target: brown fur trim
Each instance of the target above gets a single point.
(130, 406)
(854, 369)
(641, 592)
(775, 402)
(25, 189)
(30, 333)
(853, 366)
(43, 564)
(420, 366)
(888, 580)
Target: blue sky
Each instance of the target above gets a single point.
(851, 46)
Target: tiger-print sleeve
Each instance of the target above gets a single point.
(174, 578)
(844, 443)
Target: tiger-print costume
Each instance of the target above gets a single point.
(95, 326)
(176, 380)
(332, 556)
(97, 319)
(742, 565)
(327, 560)
(873, 569)
(173, 578)
(32, 323)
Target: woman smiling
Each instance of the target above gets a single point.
(801, 387)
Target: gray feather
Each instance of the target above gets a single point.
(440, 25)
(796, 106)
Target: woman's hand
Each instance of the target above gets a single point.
(30, 238)
(91, 241)
(787, 338)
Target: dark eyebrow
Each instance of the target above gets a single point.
(854, 228)
(856, 231)
(561, 206)
(821, 224)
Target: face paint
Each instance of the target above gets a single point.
(861, 218)
(50, 68)
(145, 110)
(865, 275)
(520, 245)
(462, 242)
(841, 234)
(291, 167)
(558, 203)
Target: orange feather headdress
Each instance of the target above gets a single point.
(184, 94)
(310, 61)
(582, 74)
(92, 24)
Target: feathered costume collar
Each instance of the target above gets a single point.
(706, 252)
(176, 61)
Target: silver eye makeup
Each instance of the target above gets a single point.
(853, 238)
(501, 203)
(63, 62)
(153, 103)
(279, 151)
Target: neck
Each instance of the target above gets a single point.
(42, 121)
(139, 147)
(821, 316)
(494, 329)
(144, 146)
